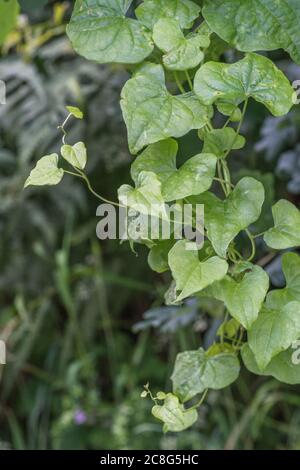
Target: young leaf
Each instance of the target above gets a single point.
(191, 274)
(195, 371)
(286, 230)
(46, 172)
(158, 255)
(173, 414)
(256, 25)
(225, 219)
(273, 332)
(146, 198)
(9, 10)
(219, 141)
(100, 31)
(229, 109)
(75, 154)
(254, 76)
(76, 112)
(244, 299)
(291, 269)
(194, 177)
(152, 114)
(184, 11)
(180, 53)
(282, 367)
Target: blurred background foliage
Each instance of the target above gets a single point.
(84, 320)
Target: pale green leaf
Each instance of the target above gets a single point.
(76, 112)
(9, 10)
(229, 109)
(100, 31)
(75, 154)
(194, 177)
(256, 25)
(284, 367)
(173, 414)
(254, 77)
(152, 114)
(158, 255)
(190, 273)
(273, 332)
(46, 172)
(286, 230)
(184, 11)
(219, 141)
(291, 270)
(196, 371)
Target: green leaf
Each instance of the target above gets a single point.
(190, 273)
(76, 112)
(219, 141)
(173, 414)
(9, 10)
(100, 31)
(291, 269)
(244, 298)
(158, 256)
(146, 197)
(286, 230)
(229, 329)
(284, 367)
(180, 53)
(184, 11)
(46, 172)
(75, 154)
(152, 114)
(274, 331)
(225, 219)
(254, 76)
(194, 177)
(229, 109)
(195, 371)
(256, 25)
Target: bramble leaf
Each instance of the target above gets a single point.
(190, 273)
(254, 76)
(286, 230)
(173, 414)
(225, 219)
(181, 53)
(184, 11)
(75, 154)
(256, 25)
(291, 270)
(100, 31)
(196, 371)
(152, 114)
(273, 332)
(46, 172)
(194, 177)
(285, 366)
(219, 141)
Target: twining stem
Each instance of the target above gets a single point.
(189, 79)
(238, 128)
(62, 128)
(200, 401)
(253, 247)
(178, 83)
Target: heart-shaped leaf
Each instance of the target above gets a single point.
(190, 273)
(225, 219)
(256, 25)
(219, 141)
(273, 332)
(100, 31)
(75, 154)
(184, 11)
(46, 172)
(286, 230)
(285, 367)
(158, 255)
(151, 113)
(196, 371)
(173, 414)
(181, 53)
(193, 177)
(291, 270)
(254, 76)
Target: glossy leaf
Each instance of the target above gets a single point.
(192, 275)
(254, 77)
(256, 25)
(286, 230)
(219, 141)
(46, 172)
(173, 414)
(152, 114)
(100, 31)
(184, 11)
(194, 177)
(196, 371)
(273, 332)
(75, 154)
